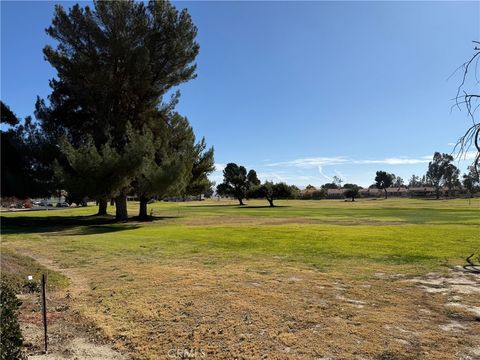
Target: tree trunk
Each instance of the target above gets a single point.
(353, 199)
(437, 191)
(386, 194)
(121, 212)
(102, 207)
(241, 201)
(270, 201)
(142, 214)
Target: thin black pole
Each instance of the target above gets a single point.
(44, 309)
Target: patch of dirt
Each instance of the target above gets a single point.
(460, 290)
(80, 348)
(458, 281)
(70, 335)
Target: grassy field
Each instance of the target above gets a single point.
(249, 281)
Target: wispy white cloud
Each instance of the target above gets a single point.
(395, 161)
(312, 162)
(320, 170)
(282, 176)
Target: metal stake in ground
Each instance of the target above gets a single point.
(44, 310)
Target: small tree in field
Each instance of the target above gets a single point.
(351, 192)
(235, 182)
(441, 171)
(272, 191)
(384, 180)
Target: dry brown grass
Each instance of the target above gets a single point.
(268, 310)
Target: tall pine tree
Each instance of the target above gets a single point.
(115, 62)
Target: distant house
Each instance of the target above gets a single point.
(335, 193)
(424, 191)
(312, 194)
(371, 192)
(187, 198)
(402, 191)
(397, 192)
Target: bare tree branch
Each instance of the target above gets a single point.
(468, 100)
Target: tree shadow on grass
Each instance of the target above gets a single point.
(216, 205)
(246, 206)
(262, 206)
(71, 225)
(152, 218)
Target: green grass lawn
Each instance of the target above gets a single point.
(417, 234)
(211, 275)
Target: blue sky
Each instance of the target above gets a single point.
(299, 91)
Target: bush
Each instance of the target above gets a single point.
(10, 334)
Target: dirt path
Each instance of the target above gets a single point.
(70, 336)
(78, 283)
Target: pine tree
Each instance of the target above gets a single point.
(203, 165)
(103, 173)
(115, 62)
(168, 170)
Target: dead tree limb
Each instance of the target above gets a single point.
(470, 100)
(471, 266)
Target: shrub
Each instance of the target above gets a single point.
(10, 334)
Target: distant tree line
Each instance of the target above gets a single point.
(441, 174)
(107, 130)
(240, 184)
